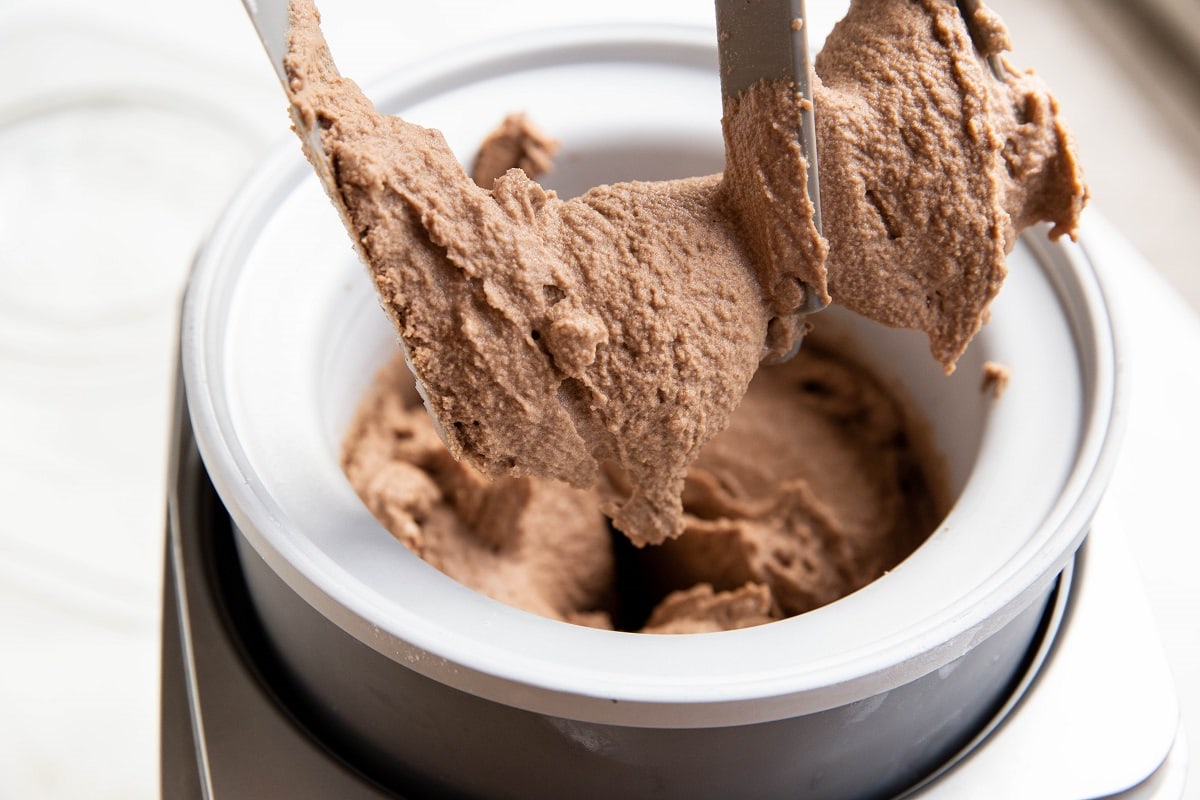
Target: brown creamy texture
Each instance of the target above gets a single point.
(995, 378)
(604, 340)
(532, 543)
(516, 144)
(819, 485)
(931, 167)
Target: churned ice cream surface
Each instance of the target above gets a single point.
(536, 544)
(821, 482)
(605, 341)
(516, 144)
(930, 166)
(600, 340)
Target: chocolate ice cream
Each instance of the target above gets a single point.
(931, 166)
(821, 483)
(535, 544)
(604, 340)
(516, 144)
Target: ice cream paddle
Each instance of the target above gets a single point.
(767, 40)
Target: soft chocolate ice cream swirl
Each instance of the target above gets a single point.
(604, 340)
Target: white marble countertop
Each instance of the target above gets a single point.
(124, 128)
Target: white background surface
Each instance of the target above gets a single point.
(124, 127)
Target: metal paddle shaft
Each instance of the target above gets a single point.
(270, 18)
(768, 40)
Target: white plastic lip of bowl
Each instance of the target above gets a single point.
(266, 304)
